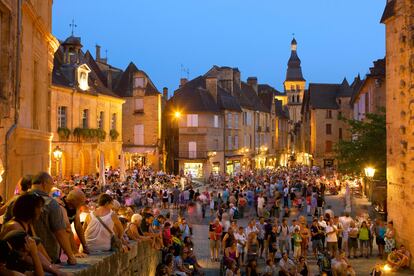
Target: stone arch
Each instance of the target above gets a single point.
(112, 159)
(85, 162)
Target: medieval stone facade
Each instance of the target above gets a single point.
(399, 20)
(26, 64)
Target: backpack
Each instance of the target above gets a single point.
(236, 214)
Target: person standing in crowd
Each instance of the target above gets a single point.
(389, 238)
(241, 240)
(379, 230)
(363, 237)
(51, 227)
(215, 232)
(331, 238)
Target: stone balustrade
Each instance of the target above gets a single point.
(141, 260)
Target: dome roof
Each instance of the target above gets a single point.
(73, 40)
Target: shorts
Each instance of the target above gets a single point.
(364, 243)
(261, 242)
(380, 241)
(352, 243)
(317, 244)
(214, 244)
(332, 246)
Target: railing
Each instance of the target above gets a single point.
(192, 154)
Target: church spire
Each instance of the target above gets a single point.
(294, 70)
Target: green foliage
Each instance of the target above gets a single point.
(114, 134)
(367, 147)
(63, 133)
(89, 133)
(101, 134)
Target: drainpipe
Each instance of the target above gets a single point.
(17, 94)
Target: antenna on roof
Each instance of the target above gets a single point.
(106, 54)
(185, 72)
(73, 25)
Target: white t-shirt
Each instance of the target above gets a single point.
(240, 238)
(331, 237)
(251, 229)
(260, 202)
(322, 224)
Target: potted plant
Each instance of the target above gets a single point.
(114, 134)
(63, 133)
(77, 132)
(101, 134)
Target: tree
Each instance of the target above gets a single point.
(367, 147)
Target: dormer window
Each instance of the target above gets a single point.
(139, 82)
(83, 75)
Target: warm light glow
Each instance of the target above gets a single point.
(387, 268)
(212, 154)
(369, 172)
(57, 153)
(177, 114)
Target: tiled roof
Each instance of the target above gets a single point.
(324, 96)
(124, 84)
(193, 97)
(64, 74)
(250, 100)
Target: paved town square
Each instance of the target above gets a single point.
(191, 138)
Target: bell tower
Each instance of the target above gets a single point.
(294, 83)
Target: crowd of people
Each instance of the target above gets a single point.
(49, 222)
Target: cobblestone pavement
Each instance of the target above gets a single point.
(362, 266)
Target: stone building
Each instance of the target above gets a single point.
(142, 121)
(86, 114)
(26, 62)
(398, 18)
(225, 125)
(323, 105)
(295, 88)
(370, 97)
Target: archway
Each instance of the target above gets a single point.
(85, 162)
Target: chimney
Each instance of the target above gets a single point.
(98, 52)
(211, 85)
(252, 81)
(183, 81)
(165, 93)
(109, 79)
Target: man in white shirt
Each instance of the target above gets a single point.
(284, 237)
(251, 227)
(241, 239)
(260, 205)
(287, 266)
(332, 238)
(346, 222)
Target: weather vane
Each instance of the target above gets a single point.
(73, 26)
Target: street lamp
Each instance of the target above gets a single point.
(369, 173)
(57, 153)
(177, 114)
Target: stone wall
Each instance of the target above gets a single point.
(399, 20)
(141, 260)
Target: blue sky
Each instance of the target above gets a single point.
(336, 38)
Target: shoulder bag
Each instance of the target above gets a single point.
(116, 244)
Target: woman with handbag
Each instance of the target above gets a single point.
(103, 230)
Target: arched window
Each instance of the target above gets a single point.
(298, 99)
